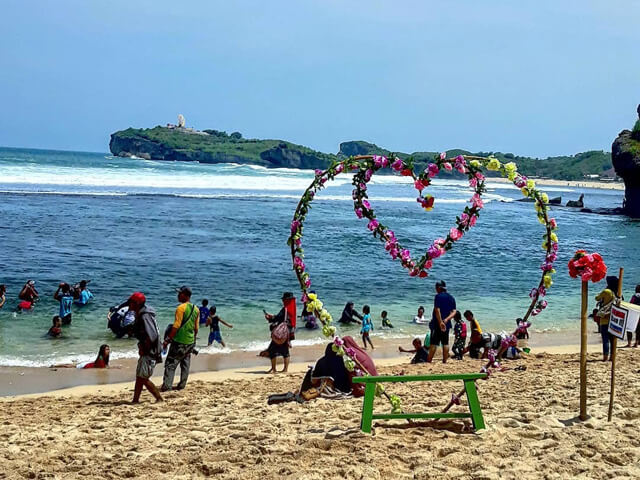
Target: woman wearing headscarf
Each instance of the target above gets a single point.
(279, 347)
(348, 313)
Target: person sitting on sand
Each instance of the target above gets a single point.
(367, 327)
(63, 295)
(214, 322)
(522, 332)
(421, 352)
(3, 291)
(420, 318)
(348, 313)
(101, 361)
(29, 292)
(84, 295)
(56, 327)
(279, 347)
(475, 342)
(149, 345)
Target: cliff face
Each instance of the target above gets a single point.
(212, 146)
(625, 153)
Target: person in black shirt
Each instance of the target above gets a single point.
(421, 353)
(348, 313)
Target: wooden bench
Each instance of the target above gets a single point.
(469, 380)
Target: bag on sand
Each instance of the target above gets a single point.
(280, 334)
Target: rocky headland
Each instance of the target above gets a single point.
(625, 154)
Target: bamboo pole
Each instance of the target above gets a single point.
(583, 351)
(614, 347)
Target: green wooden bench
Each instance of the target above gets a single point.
(469, 380)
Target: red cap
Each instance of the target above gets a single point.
(138, 298)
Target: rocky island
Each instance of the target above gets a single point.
(180, 143)
(625, 153)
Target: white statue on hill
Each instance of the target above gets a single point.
(181, 122)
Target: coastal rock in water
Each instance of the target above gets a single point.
(625, 153)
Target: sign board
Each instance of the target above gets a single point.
(618, 321)
(633, 316)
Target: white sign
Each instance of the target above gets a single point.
(618, 321)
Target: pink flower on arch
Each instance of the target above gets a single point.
(339, 168)
(443, 155)
(398, 165)
(368, 174)
(447, 166)
(366, 204)
(476, 201)
(418, 184)
(473, 220)
(455, 234)
(432, 170)
(473, 182)
(373, 224)
(295, 225)
(359, 213)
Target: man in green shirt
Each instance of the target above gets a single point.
(183, 339)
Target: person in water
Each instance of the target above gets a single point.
(309, 320)
(101, 361)
(84, 295)
(367, 327)
(386, 323)
(29, 292)
(3, 291)
(149, 345)
(56, 327)
(63, 295)
(419, 318)
(214, 322)
(421, 352)
(348, 313)
(204, 312)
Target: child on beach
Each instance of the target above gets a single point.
(214, 322)
(204, 311)
(56, 327)
(386, 323)
(421, 352)
(460, 332)
(63, 295)
(476, 341)
(367, 326)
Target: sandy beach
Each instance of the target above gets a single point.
(222, 426)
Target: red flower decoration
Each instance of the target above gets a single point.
(589, 266)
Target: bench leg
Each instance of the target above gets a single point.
(474, 404)
(367, 407)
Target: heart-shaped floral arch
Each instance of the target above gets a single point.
(363, 168)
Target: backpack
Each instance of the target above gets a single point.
(280, 334)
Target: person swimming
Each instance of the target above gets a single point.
(420, 318)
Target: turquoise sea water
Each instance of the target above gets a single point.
(130, 224)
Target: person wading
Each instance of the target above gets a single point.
(183, 339)
(146, 331)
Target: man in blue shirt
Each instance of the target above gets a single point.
(63, 295)
(204, 311)
(444, 309)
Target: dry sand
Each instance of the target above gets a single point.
(223, 427)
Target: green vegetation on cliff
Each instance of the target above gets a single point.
(214, 146)
(572, 167)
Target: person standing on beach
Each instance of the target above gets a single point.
(149, 347)
(279, 345)
(606, 299)
(183, 339)
(63, 295)
(444, 309)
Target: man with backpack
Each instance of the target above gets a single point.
(182, 337)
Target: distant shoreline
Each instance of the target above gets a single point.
(550, 182)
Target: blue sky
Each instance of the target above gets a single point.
(534, 78)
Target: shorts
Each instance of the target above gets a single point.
(438, 337)
(66, 320)
(214, 335)
(145, 367)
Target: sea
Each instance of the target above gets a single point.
(130, 225)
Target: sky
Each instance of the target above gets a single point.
(533, 78)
